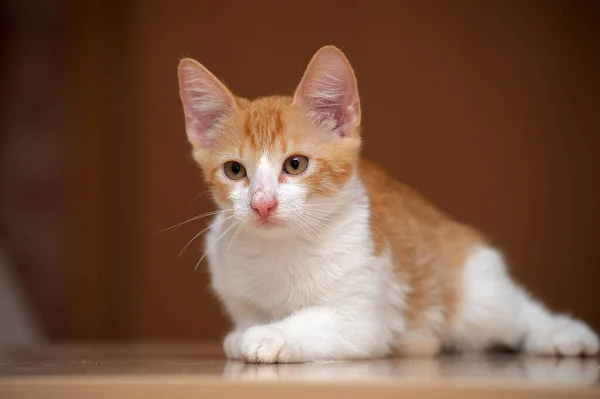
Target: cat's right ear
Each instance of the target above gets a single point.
(206, 102)
(328, 92)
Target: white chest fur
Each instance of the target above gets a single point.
(276, 276)
(282, 275)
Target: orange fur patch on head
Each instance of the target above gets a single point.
(331, 176)
(332, 159)
(263, 125)
(276, 128)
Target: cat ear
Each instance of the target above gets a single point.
(206, 102)
(328, 92)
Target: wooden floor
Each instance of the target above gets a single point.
(201, 371)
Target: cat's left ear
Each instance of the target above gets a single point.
(328, 92)
(207, 103)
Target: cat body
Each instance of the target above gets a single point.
(318, 254)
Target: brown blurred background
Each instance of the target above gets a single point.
(491, 109)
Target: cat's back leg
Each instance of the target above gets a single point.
(493, 310)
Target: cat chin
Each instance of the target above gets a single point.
(268, 225)
(271, 230)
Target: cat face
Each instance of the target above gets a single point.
(273, 160)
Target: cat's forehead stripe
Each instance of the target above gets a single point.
(263, 125)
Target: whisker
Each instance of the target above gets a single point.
(321, 217)
(323, 205)
(197, 196)
(316, 207)
(309, 225)
(315, 225)
(230, 246)
(321, 221)
(195, 218)
(322, 213)
(372, 213)
(216, 242)
(186, 246)
(304, 229)
(336, 220)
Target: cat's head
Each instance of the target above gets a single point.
(271, 161)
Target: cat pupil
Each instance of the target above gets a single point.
(295, 163)
(235, 168)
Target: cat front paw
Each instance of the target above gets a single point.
(268, 344)
(565, 337)
(232, 345)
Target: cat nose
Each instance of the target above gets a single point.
(264, 206)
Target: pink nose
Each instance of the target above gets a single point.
(264, 206)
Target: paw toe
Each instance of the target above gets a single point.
(576, 340)
(571, 338)
(231, 345)
(265, 345)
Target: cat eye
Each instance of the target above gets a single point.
(295, 165)
(234, 170)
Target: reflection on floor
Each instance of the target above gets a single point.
(579, 372)
(208, 362)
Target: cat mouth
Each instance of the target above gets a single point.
(268, 224)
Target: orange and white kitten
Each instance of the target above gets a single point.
(318, 254)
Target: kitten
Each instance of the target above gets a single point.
(318, 254)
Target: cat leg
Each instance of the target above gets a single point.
(318, 333)
(243, 316)
(496, 311)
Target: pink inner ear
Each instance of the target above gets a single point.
(206, 102)
(328, 92)
(198, 133)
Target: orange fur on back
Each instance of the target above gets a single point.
(427, 246)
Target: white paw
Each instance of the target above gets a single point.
(565, 337)
(267, 344)
(232, 344)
